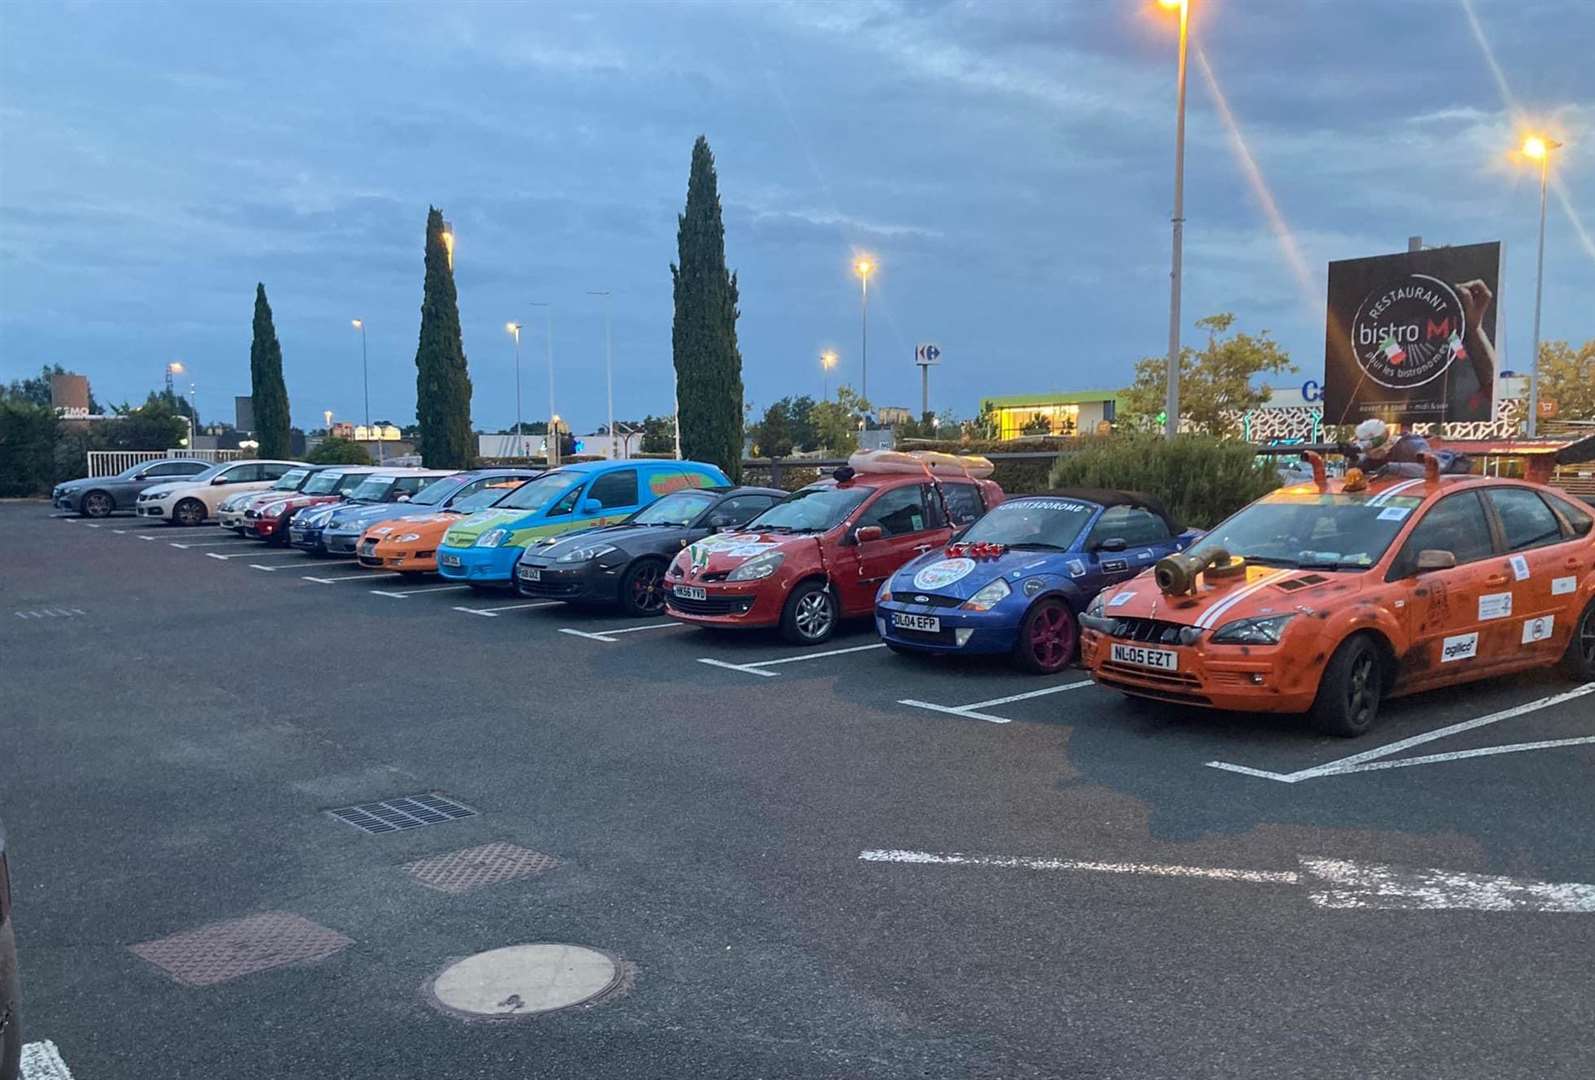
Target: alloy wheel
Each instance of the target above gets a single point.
(648, 588)
(1361, 692)
(1052, 636)
(1586, 636)
(813, 616)
(97, 504)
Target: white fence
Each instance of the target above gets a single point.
(111, 462)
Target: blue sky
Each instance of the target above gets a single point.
(1008, 164)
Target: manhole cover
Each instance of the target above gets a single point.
(489, 864)
(226, 950)
(407, 812)
(523, 980)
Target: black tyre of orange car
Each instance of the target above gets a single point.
(189, 512)
(97, 504)
(1578, 662)
(642, 589)
(810, 614)
(1351, 689)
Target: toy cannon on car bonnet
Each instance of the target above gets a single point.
(1176, 574)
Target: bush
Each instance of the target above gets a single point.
(1201, 479)
(338, 451)
(27, 448)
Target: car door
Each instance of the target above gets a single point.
(1539, 552)
(1453, 617)
(616, 494)
(908, 529)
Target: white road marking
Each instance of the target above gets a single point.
(49, 613)
(120, 532)
(1336, 884)
(149, 538)
(268, 569)
(1458, 755)
(211, 543)
(91, 524)
(42, 1061)
(608, 636)
(492, 612)
(973, 710)
(423, 589)
(259, 553)
(753, 667)
(1355, 762)
(369, 575)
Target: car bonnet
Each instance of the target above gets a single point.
(959, 572)
(722, 552)
(464, 533)
(1261, 590)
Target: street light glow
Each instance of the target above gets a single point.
(1534, 147)
(864, 267)
(1171, 5)
(358, 324)
(828, 358)
(513, 328)
(175, 367)
(448, 242)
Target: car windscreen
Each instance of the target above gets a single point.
(324, 483)
(811, 509)
(481, 500)
(290, 480)
(438, 491)
(1325, 531)
(372, 488)
(1034, 522)
(677, 508)
(540, 492)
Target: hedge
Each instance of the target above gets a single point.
(1201, 479)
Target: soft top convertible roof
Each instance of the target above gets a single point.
(1111, 497)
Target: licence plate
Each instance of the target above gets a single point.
(1162, 659)
(449, 560)
(691, 592)
(531, 573)
(930, 624)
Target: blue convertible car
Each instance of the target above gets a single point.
(1016, 580)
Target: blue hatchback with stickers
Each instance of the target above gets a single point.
(1016, 580)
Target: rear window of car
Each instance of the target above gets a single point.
(1527, 520)
(1577, 517)
(963, 503)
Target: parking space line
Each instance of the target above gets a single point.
(972, 710)
(412, 592)
(212, 543)
(91, 524)
(369, 575)
(120, 532)
(257, 554)
(492, 612)
(268, 569)
(149, 538)
(1458, 755)
(1357, 762)
(753, 667)
(608, 636)
(42, 1061)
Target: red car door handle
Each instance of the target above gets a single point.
(1496, 579)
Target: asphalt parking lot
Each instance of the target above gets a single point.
(826, 863)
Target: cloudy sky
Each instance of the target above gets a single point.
(1008, 163)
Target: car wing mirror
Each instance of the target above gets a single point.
(1435, 559)
(591, 507)
(1112, 543)
(219, 480)
(402, 498)
(865, 533)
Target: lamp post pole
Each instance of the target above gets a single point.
(552, 437)
(1538, 148)
(863, 267)
(1172, 405)
(365, 379)
(520, 436)
(609, 373)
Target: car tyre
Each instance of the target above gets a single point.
(1351, 689)
(810, 614)
(1578, 662)
(642, 589)
(97, 504)
(1048, 638)
(189, 512)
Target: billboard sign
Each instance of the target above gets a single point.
(927, 353)
(1411, 337)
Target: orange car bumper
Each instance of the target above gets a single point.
(1243, 679)
(415, 560)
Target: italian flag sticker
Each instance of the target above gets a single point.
(1457, 350)
(1393, 353)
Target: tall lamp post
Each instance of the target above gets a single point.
(1538, 148)
(520, 437)
(1172, 405)
(863, 267)
(365, 379)
(827, 362)
(609, 373)
(552, 439)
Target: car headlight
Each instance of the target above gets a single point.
(407, 538)
(988, 597)
(1263, 631)
(1098, 604)
(756, 569)
(885, 594)
(586, 553)
(493, 538)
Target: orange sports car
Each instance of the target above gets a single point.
(1330, 596)
(410, 545)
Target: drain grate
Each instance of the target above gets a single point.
(227, 950)
(461, 871)
(405, 812)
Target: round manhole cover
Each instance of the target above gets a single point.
(522, 980)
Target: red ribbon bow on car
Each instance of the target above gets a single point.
(979, 550)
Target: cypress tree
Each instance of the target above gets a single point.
(267, 391)
(442, 384)
(704, 334)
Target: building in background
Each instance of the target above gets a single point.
(1073, 413)
(69, 396)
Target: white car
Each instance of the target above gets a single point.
(192, 500)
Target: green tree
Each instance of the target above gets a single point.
(1567, 377)
(266, 388)
(338, 451)
(1215, 382)
(37, 390)
(704, 332)
(838, 422)
(1038, 424)
(27, 446)
(658, 435)
(772, 436)
(442, 383)
(157, 424)
(800, 418)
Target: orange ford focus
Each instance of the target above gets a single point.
(1323, 600)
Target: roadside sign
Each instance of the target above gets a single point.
(927, 353)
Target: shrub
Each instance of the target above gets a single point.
(27, 448)
(338, 451)
(1201, 479)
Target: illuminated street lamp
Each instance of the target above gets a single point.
(827, 362)
(553, 440)
(1538, 148)
(863, 266)
(1172, 405)
(326, 416)
(520, 438)
(174, 368)
(365, 377)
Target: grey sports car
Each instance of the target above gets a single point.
(97, 496)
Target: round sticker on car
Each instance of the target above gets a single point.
(943, 573)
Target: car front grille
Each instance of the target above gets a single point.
(928, 599)
(1152, 631)
(714, 605)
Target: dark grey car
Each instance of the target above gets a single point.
(10, 1023)
(97, 496)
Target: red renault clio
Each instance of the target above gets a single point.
(819, 555)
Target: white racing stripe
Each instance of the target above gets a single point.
(42, 1061)
(1210, 617)
(1384, 496)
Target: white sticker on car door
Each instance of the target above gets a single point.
(1520, 567)
(1563, 585)
(1495, 606)
(1538, 629)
